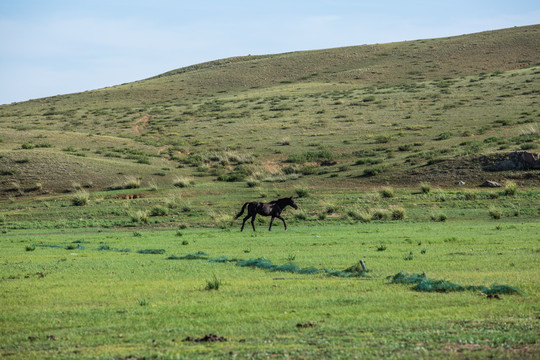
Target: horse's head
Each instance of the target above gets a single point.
(290, 201)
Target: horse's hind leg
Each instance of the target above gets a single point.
(244, 222)
(253, 222)
(271, 221)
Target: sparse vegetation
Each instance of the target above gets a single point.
(213, 284)
(387, 192)
(80, 198)
(510, 188)
(183, 182)
(425, 188)
(495, 212)
(159, 211)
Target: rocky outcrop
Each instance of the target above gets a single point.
(490, 183)
(518, 160)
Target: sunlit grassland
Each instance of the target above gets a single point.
(117, 302)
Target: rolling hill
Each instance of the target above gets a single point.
(436, 110)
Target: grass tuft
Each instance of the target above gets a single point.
(80, 198)
(213, 284)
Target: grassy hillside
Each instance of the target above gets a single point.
(402, 113)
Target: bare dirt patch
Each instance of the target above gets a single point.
(206, 338)
(141, 123)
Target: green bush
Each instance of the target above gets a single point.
(28, 145)
(387, 192)
(182, 182)
(495, 213)
(288, 170)
(439, 217)
(253, 183)
(470, 195)
(132, 183)
(425, 187)
(213, 284)
(373, 171)
(360, 215)
(379, 214)
(302, 192)
(383, 138)
(368, 161)
(398, 214)
(140, 216)
(80, 198)
(308, 169)
(444, 135)
(510, 188)
(159, 211)
(323, 156)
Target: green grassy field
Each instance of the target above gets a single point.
(67, 298)
(370, 140)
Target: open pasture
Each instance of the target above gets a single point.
(92, 294)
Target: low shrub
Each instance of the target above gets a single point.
(159, 211)
(253, 183)
(510, 188)
(183, 182)
(470, 195)
(360, 215)
(379, 214)
(398, 214)
(213, 284)
(301, 215)
(28, 145)
(439, 217)
(495, 213)
(140, 216)
(387, 192)
(132, 183)
(308, 169)
(409, 257)
(425, 187)
(311, 156)
(368, 161)
(373, 171)
(302, 192)
(80, 198)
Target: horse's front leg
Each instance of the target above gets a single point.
(282, 219)
(271, 221)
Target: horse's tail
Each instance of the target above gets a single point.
(241, 211)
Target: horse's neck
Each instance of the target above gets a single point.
(281, 203)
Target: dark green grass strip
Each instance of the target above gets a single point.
(423, 283)
(265, 264)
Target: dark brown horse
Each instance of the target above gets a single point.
(273, 209)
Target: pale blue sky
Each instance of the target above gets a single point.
(52, 47)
